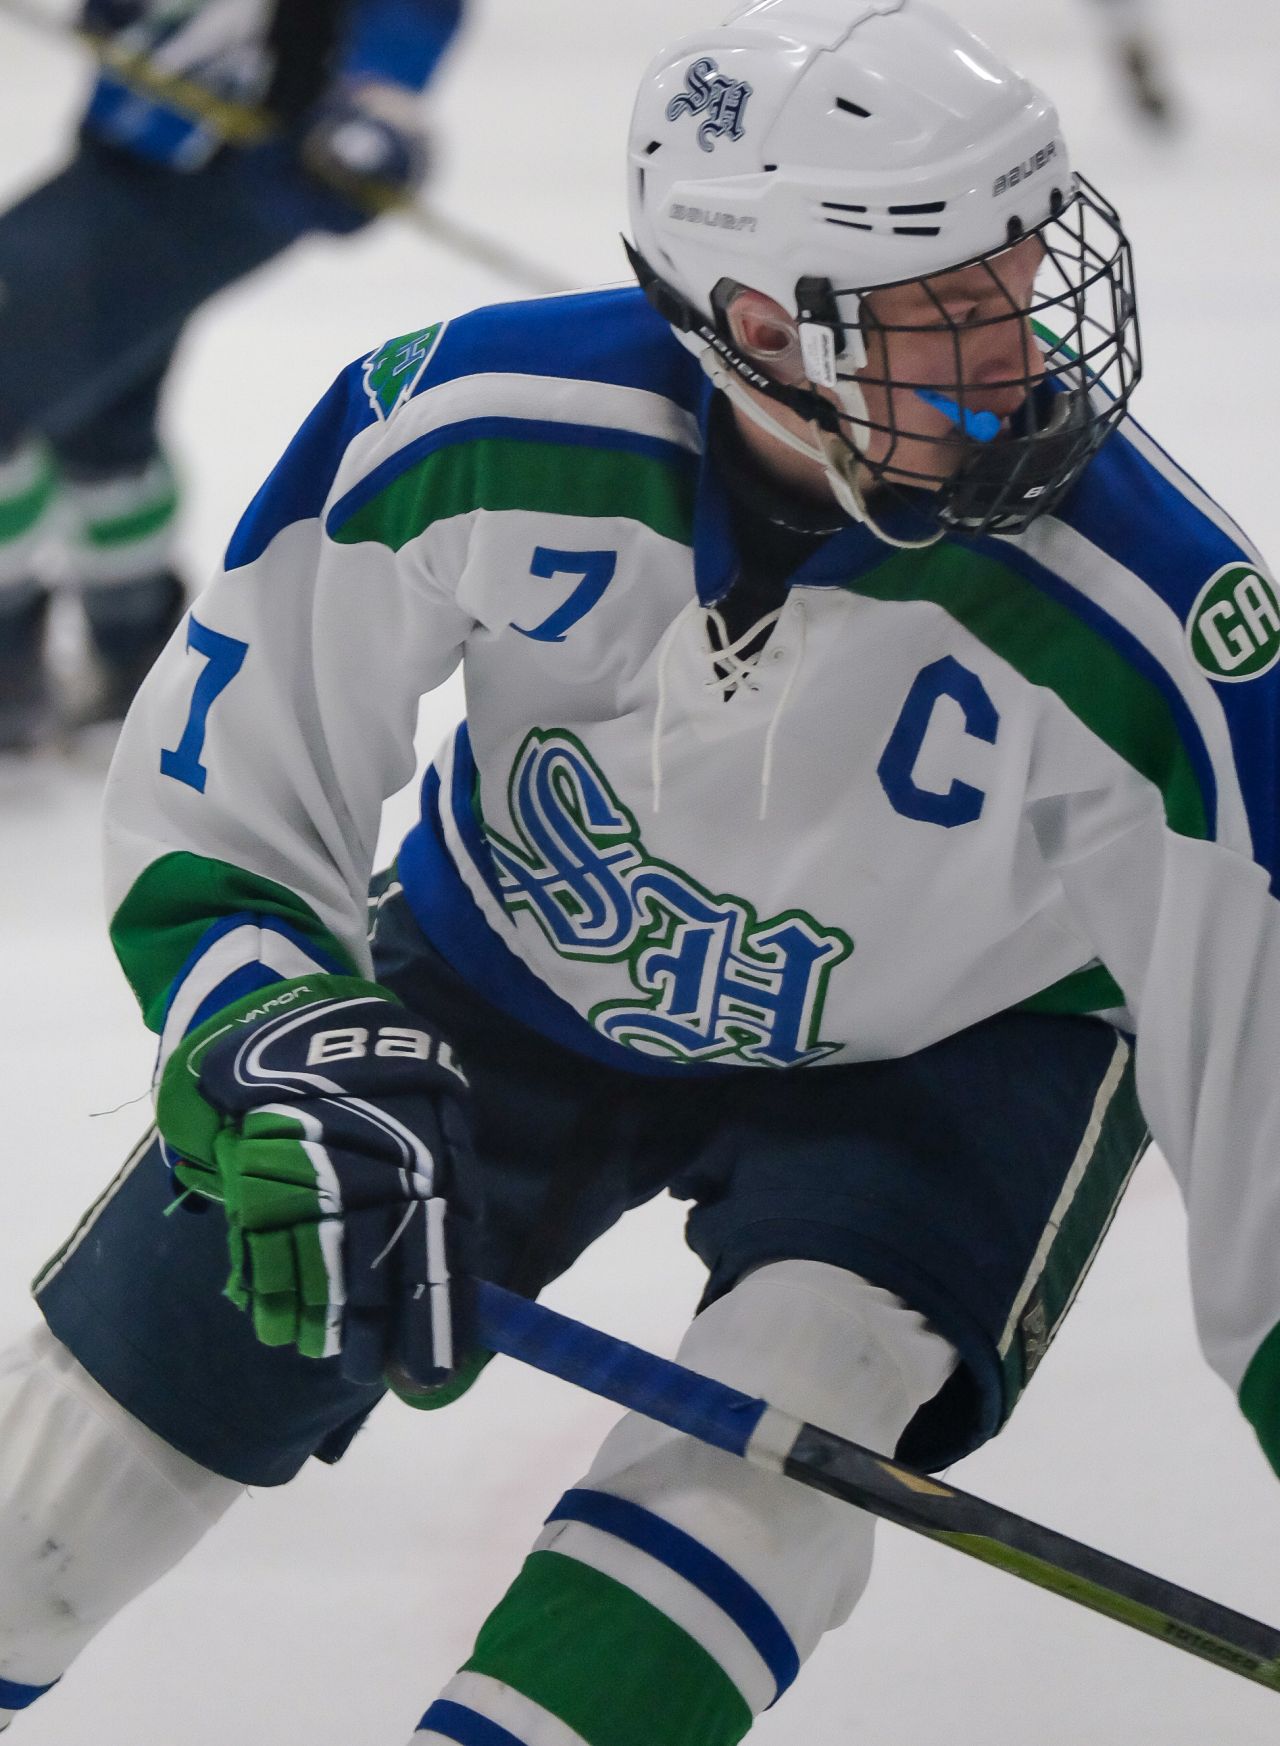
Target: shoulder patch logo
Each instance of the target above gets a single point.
(1234, 627)
(708, 92)
(392, 373)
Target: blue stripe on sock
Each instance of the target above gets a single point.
(680, 1552)
(14, 1696)
(467, 1726)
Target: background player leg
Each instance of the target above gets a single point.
(120, 501)
(677, 1584)
(27, 489)
(93, 1508)
(101, 267)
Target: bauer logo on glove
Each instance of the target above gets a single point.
(332, 1133)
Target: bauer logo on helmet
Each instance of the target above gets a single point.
(1024, 171)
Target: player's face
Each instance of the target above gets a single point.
(965, 335)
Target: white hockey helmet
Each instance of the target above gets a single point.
(815, 150)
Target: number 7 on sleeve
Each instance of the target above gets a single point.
(223, 657)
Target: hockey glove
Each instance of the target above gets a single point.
(330, 1131)
(367, 138)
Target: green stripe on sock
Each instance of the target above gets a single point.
(607, 1663)
(1049, 645)
(19, 514)
(175, 900)
(542, 478)
(135, 527)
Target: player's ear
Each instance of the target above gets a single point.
(762, 329)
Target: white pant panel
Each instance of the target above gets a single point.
(820, 1343)
(94, 1507)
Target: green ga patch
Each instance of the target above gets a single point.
(1234, 627)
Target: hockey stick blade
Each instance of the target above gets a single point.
(713, 1413)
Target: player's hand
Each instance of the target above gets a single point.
(367, 136)
(331, 1131)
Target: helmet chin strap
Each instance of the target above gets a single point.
(839, 461)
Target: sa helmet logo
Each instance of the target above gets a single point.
(1234, 627)
(708, 93)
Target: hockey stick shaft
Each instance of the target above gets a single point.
(244, 124)
(759, 1433)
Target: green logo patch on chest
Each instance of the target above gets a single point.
(1234, 627)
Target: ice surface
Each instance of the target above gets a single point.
(332, 1611)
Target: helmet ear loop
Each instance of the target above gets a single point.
(848, 454)
(825, 337)
(851, 473)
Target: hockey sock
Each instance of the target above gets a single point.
(120, 544)
(28, 487)
(93, 1509)
(120, 525)
(675, 1592)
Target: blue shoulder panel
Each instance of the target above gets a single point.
(1139, 507)
(300, 482)
(1143, 515)
(589, 336)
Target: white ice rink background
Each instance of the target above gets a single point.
(330, 1612)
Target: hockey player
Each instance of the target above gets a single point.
(102, 266)
(866, 802)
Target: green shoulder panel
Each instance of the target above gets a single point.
(176, 900)
(513, 472)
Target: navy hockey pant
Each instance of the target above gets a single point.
(974, 1179)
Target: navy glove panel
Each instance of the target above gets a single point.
(343, 1126)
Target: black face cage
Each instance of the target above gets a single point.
(1081, 359)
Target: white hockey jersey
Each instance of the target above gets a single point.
(1036, 771)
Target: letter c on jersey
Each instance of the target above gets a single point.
(962, 803)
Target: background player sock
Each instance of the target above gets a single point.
(93, 1509)
(28, 486)
(120, 538)
(120, 523)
